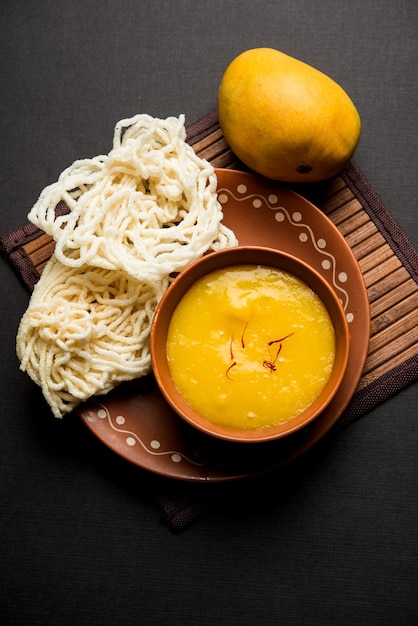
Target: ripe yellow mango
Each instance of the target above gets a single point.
(285, 119)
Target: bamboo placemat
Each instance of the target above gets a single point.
(387, 259)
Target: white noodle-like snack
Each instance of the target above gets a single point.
(85, 330)
(137, 215)
(148, 207)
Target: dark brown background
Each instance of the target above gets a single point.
(80, 535)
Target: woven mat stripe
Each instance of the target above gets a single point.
(371, 202)
(381, 389)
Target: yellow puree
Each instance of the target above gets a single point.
(220, 352)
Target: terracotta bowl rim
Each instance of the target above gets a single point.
(229, 257)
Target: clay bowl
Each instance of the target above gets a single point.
(251, 255)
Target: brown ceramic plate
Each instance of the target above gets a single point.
(136, 422)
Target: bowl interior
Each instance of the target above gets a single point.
(241, 256)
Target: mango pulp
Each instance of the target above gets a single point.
(250, 346)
